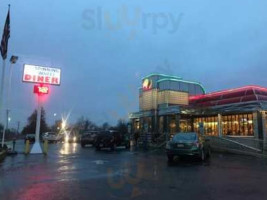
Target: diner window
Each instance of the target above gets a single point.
(210, 125)
(238, 125)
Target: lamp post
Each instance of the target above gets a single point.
(12, 60)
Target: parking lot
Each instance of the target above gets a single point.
(72, 172)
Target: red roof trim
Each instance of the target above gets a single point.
(237, 95)
(228, 91)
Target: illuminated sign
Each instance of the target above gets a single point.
(153, 98)
(147, 84)
(39, 74)
(40, 89)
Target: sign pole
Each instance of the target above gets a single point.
(36, 149)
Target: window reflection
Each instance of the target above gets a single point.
(68, 148)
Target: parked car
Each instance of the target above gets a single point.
(52, 137)
(88, 138)
(30, 137)
(188, 144)
(111, 139)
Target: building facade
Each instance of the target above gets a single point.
(169, 104)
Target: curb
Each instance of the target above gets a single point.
(238, 152)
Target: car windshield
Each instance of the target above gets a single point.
(185, 137)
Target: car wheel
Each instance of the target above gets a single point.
(170, 158)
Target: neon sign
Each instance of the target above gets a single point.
(147, 84)
(40, 89)
(43, 75)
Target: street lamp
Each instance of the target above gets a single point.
(63, 125)
(13, 59)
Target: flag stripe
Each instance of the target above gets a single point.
(5, 37)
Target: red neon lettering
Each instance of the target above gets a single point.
(27, 77)
(47, 79)
(40, 79)
(54, 80)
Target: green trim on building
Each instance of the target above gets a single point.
(164, 75)
(170, 79)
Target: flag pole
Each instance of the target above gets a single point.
(4, 47)
(2, 98)
(2, 83)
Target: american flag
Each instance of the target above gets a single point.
(5, 37)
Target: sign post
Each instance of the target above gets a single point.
(40, 90)
(43, 76)
(36, 146)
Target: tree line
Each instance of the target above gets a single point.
(83, 124)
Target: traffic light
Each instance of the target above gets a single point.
(41, 89)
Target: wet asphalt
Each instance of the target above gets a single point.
(71, 172)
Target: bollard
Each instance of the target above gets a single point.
(132, 143)
(45, 147)
(14, 144)
(27, 147)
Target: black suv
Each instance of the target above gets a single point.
(111, 139)
(89, 138)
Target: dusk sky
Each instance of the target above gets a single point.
(104, 48)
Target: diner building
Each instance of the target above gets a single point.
(169, 104)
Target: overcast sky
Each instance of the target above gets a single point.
(104, 48)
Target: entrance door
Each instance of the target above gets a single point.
(185, 125)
